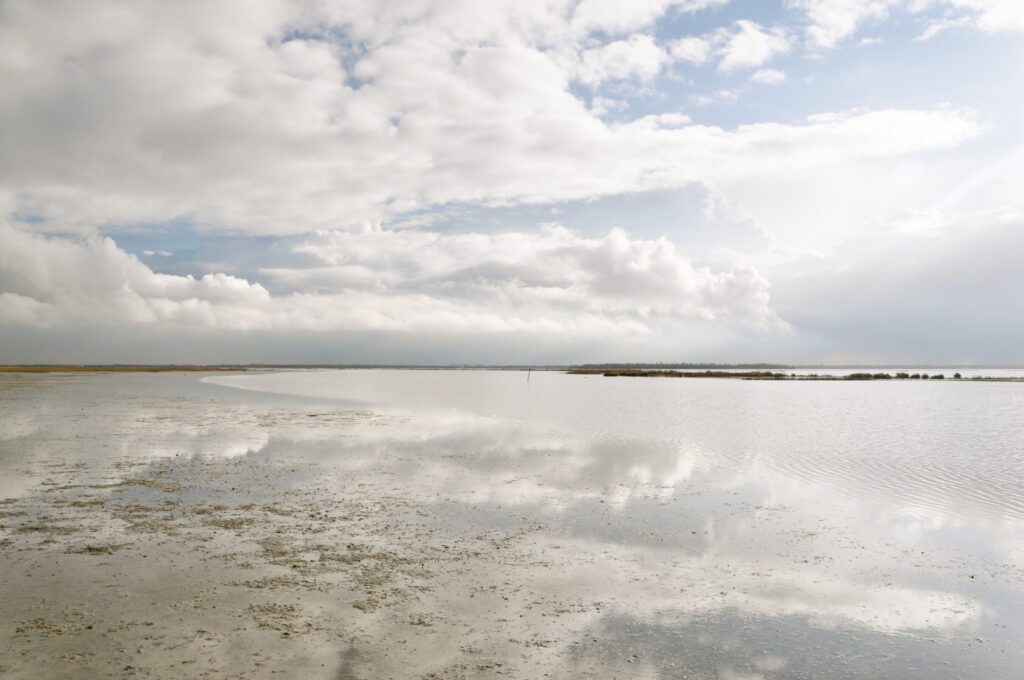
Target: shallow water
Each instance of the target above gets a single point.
(574, 526)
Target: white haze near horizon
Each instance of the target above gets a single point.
(547, 181)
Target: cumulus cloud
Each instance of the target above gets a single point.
(49, 281)
(990, 16)
(692, 49)
(638, 58)
(744, 44)
(748, 45)
(831, 21)
(549, 281)
(993, 15)
(261, 118)
(612, 274)
(769, 76)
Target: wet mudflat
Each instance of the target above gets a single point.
(375, 524)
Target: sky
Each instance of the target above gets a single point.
(512, 182)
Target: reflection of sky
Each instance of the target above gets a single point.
(716, 512)
(730, 647)
(922, 448)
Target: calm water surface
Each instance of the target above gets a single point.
(699, 528)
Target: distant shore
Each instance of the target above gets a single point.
(775, 375)
(731, 371)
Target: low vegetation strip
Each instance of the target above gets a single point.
(775, 375)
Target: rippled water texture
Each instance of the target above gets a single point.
(474, 524)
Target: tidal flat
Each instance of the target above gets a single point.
(473, 524)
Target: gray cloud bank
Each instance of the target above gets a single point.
(918, 289)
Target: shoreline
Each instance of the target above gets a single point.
(858, 376)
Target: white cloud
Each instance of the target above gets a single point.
(994, 15)
(751, 150)
(614, 274)
(692, 49)
(661, 121)
(749, 45)
(744, 44)
(716, 97)
(257, 119)
(551, 282)
(769, 76)
(53, 280)
(599, 106)
(990, 16)
(831, 21)
(936, 27)
(638, 58)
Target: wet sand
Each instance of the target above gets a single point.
(204, 566)
(127, 575)
(151, 528)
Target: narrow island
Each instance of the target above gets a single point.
(778, 375)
